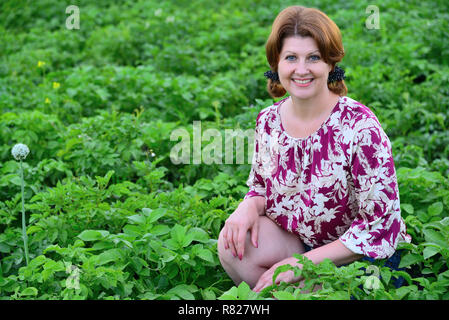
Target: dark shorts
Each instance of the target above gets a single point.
(392, 263)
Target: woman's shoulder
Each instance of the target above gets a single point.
(362, 125)
(268, 113)
(356, 115)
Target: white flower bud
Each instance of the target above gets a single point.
(20, 151)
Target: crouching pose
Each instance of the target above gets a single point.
(322, 181)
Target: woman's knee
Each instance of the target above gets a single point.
(274, 244)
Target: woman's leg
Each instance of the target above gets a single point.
(274, 245)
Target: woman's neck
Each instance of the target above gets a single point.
(312, 109)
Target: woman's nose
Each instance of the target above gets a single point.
(302, 68)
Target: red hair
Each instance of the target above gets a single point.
(305, 22)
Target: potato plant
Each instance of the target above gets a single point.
(110, 216)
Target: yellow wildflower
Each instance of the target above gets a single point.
(40, 64)
(47, 101)
(56, 85)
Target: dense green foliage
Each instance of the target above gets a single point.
(111, 217)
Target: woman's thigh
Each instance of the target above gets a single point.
(274, 244)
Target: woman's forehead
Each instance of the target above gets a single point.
(299, 45)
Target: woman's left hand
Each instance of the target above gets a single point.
(266, 279)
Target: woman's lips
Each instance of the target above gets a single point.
(302, 83)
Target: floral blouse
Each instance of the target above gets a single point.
(338, 183)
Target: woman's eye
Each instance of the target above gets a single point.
(313, 58)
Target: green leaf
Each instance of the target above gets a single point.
(283, 295)
(206, 255)
(410, 259)
(422, 216)
(199, 235)
(435, 209)
(386, 275)
(231, 294)
(103, 181)
(430, 251)
(243, 291)
(15, 180)
(183, 291)
(401, 292)
(281, 269)
(108, 256)
(435, 237)
(208, 294)
(33, 229)
(160, 230)
(102, 245)
(30, 291)
(137, 219)
(178, 234)
(149, 296)
(154, 215)
(132, 230)
(407, 208)
(445, 221)
(4, 248)
(338, 295)
(93, 235)
(403, 274)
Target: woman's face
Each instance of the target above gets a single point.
(302, 72)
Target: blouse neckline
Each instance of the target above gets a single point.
(278, 112)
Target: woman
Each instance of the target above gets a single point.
(322, 181)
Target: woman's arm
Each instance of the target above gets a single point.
(335, 251)
(256, 203)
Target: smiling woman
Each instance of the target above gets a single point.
(322, 182)
(306, 23)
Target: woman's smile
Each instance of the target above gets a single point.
(303, 83)
(302, 71)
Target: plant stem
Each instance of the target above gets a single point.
(24, 233)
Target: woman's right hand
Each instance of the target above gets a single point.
(245, 218)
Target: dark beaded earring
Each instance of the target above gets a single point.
(337, 74)
(272, 75)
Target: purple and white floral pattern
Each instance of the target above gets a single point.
(338, 183)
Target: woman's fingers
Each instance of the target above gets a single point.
(234, 234)
(255, 234)
(231, 242)
(228, 240)
(264, 281)
(234, 239)
(237, 237)
(241, 242)
(224, 234)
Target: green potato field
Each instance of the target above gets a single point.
(99, 92)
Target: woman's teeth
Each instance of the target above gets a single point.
(302, 81)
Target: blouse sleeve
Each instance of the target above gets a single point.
(377, 225)
(255, 180)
